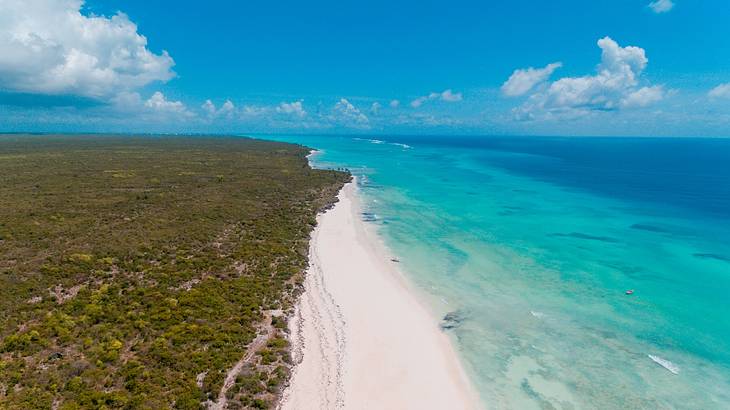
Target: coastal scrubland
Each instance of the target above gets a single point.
(151, 272)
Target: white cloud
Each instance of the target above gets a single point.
(294, 108)
(227, 109)
(394, 104)
(375, 108)
(157, 108)
(643, 96)
(614, 86)
(661, 6)
(209, 107)
(345, 111)
(523, 80)
(446, 95)
(420, 100)
(254, 111)
(49, 47)
(721, 91)
(158, 102)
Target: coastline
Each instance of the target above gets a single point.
(360, 336)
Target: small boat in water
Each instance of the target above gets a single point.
(630, 292)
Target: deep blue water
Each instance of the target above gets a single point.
(533, 242)
(687, 172)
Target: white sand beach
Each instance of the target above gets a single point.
(360, 336)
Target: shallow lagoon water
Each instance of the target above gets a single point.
(533, 242)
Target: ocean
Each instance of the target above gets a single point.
(530, 244)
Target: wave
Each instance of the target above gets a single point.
(376, 141)
(665, 363)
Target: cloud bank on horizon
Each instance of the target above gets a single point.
(105, 74)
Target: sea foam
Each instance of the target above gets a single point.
(665, 363)
(377, 141)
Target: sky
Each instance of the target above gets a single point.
(563, 67)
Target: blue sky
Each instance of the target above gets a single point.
(621, 67)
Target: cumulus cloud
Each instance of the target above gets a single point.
(50, 47)
(523, 80)
(450, 97)
(394, 104)
(721, 91)
(661, 6)
(349, 114)
(294, 108)
(228, 106)
(446, 95)
(158, 102)
(420, 100)
(375, 108)
(643, 96)
(209, 107)
(614, 86)
(227, 109)
(254, 111)
(156, 108)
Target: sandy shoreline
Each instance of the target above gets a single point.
(361, 338)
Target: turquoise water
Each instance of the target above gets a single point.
(533, 242)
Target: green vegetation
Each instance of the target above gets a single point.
(136, 271)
